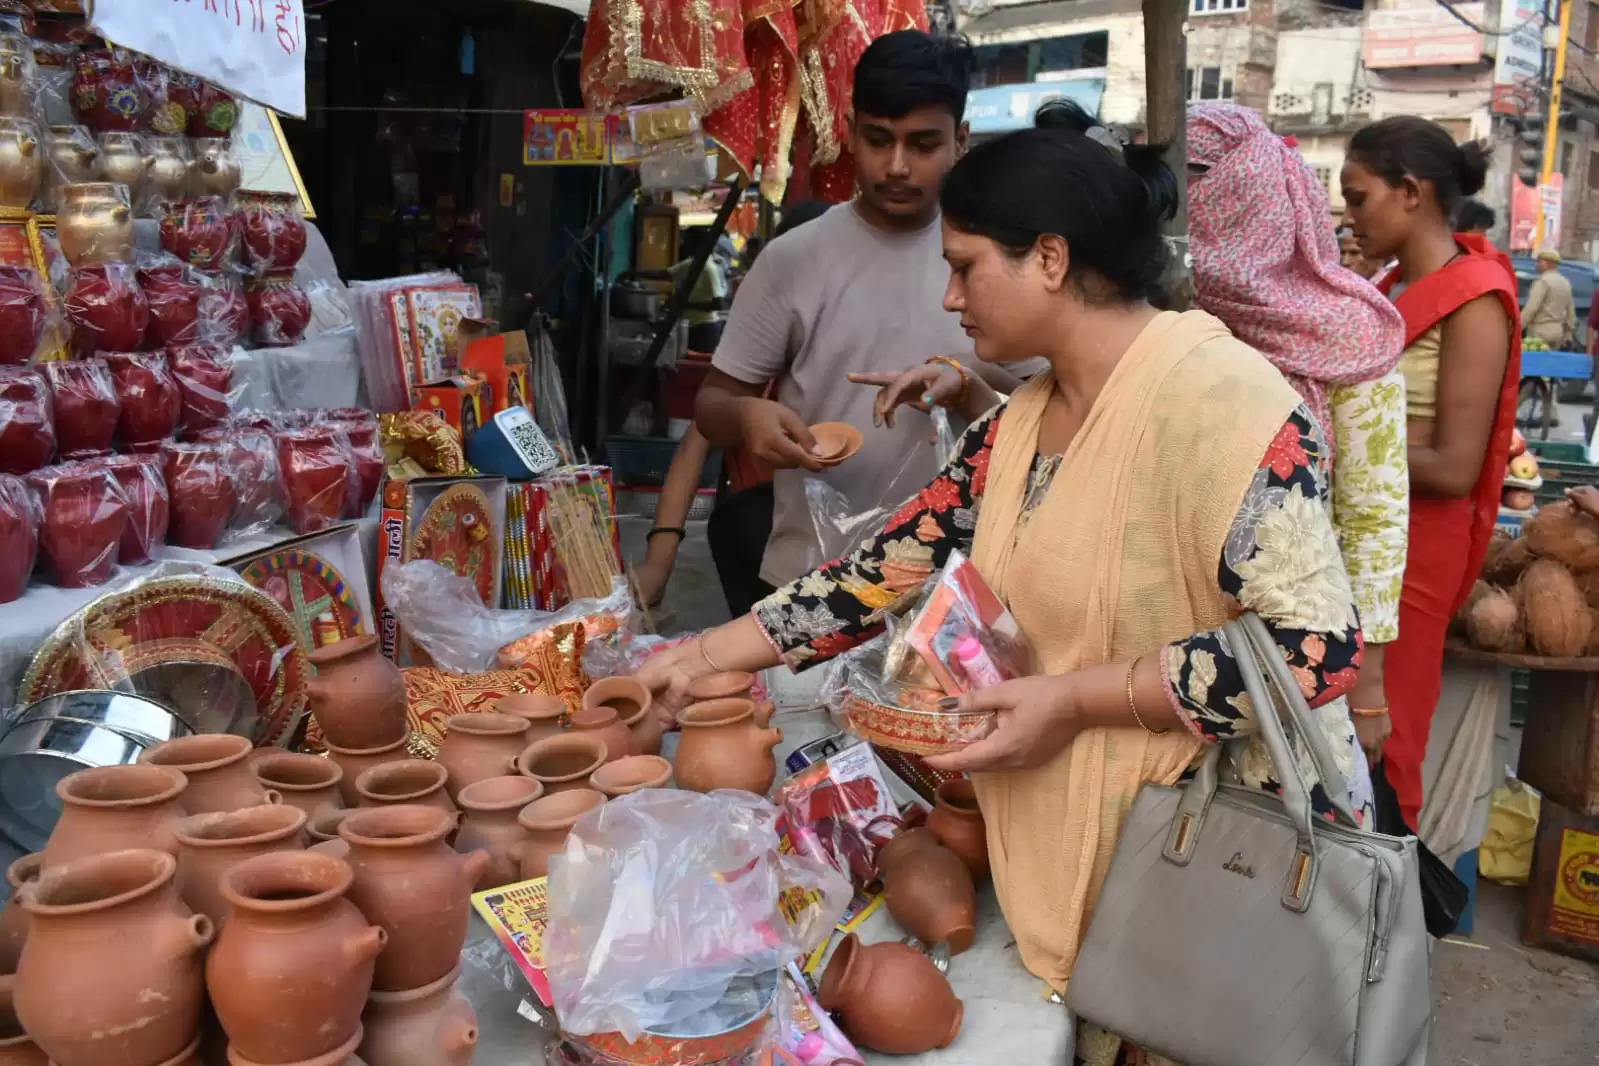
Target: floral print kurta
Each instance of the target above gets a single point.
(1371, 497)
(1281, 560)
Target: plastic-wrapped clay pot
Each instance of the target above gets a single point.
(95, 225)
(209, 845)
(928, 889)
(891, 998)
(308, 782)
(224, 310)
(542, 712)
(410, 881)
(958, 824)
(149, 507)
(631, 701)
(358, 696)
(83, 396)
(356, 761)
(316, 471)
(291, 969)
(107, 807)
(200, 232)
(562, 763)
(204, 380)
(429, 1026)
(122, 160)
(602, 722)
(14, 919)
(279, 310)
(107, 95)
(411, 781)
(722, 747)
(344, 1055)
(174, 299)
(23, 312)
(479, 746)
(107, 309)
(631, 774)
(549, 822)
(202, 493)
(253, 467)
(19, 536)
(169, 171)
(147, 395)
(16, 1046)
(369, 464)
(27, 423)
(83, 515)
(19, 158)
(214, 170)
(273, 231)
(488, 821)
(218, 768)
(78, 1006)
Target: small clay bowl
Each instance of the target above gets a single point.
(835, 442)
(561, 763)
(631, 774)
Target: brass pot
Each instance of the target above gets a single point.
(169, 171)
(95, 223)
(72, 153)
(19, 162)
(16, 75)
(123, 160)
(215, 169)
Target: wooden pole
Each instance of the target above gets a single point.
(1165, 119)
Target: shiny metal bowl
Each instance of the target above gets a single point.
(209, 697)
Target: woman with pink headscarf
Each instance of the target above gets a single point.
(1266, 262)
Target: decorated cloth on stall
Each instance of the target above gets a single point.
(637, 49)
(756, 127)
(434, 696)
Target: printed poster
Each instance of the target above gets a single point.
(518, 915)
(566, 137)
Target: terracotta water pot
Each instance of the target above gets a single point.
(149, 505)
(218, 768)
(343, 1055)
(107, 807)
(891, 998)
(273, 229)
(928, 889)
(412, 781)
(291, 970)
(603, 723)
(543, 713)
(19, 536)
(409, 881)
(480, 746)
(308, 782)
(356, 761)
(722, 747)
(724, 685)
(201, 490)
(488, 821)
(209, 845)
(631, 701)
(14, 919)
(16, 1046)
(429, 1026)
(548, 822)
(358, 696)
(631, 774)
(81, 1009)
(958, 824)
(561, 763)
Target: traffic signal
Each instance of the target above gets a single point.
(1529, 153)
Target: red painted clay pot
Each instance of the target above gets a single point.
(602, 722)
(308, 782)
(542, 712)
(84, 515)
(891, 998)
(146, 1007)
(480, 746)
(279, 310)
(202, 493)
(958, 824)
(429, 1026)
(631, 774)
(273, 231)
(722, 747)
(147, 394)
(16, 1046)
(631, 701)
(409, 881)
(253, 467)
(19, 536)
(928, 890)
(291, 970)
(209, 845)
(204, 379)
(107, 309)
(215, 112)
(218, 768)
(83, 396)
(27, 428)
(200, 232)
(562, 763)
(22, 314)
(14, 919)
(145, 487)
(358, 696)
(224, 309)
(411, 781)
(174, 300)
(356, 761)
(106, 94)
(108, 807)
(549, 822)
(316, 473)
(489, 808)
(369, 464)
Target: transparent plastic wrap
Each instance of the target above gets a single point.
(83, 514)
(201, 232)
(671, 915)
(382, 362)
(315, 472)
(201, 492)
(272, 230)
(106, 94)
(69, 159)
(94, 224)
(204, 373)
(173, 296)
(960, 633)
(168, 112)
(214, 170)
(56, 65)
(901, 714)
(839, 810)
(19, 75)
(149, 505)
(24, 314)
(83, 397)
(124, 160)
(317, 372)
(19, 535)
(624, 653)
(168, 179)
(20, 168)
(549, 394)
(148, 396)
(443, 612)
(360, 428)
(252, 459)
(279, 310)
(107, 308)
(27, 420)
(224, 311)
(330, 305)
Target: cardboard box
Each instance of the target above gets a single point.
(461, 401)
(504, 360)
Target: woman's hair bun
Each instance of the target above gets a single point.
(1148, 161)
(1472, 167)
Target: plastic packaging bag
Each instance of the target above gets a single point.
(201, 491)
(961, 633)
(107, 308)
(83, 397)
(674, 912)
(149, 505)
(279, 310)
(382, 361)
(148, 395)
(83, 514)
(252, 463)
(840, 811)
(223, 311)
(173, 295)
(272, 230)
(199, 232)
(204, 373)
(19, 536)
(317, 475)
(1506, 852)
(23, 314)
(360, 428)
(27, 422)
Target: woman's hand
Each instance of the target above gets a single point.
(1373, 731)
(922, 387)
(1034, 718)
(668, 675)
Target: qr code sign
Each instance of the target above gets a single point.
(528, 440)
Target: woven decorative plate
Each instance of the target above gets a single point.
(177, 619)
(312, 590)
(920, 732)
(457, 532)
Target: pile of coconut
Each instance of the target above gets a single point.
(1539, 592)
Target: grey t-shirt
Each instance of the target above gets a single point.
(833, 296)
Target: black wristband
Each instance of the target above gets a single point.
(681, 532)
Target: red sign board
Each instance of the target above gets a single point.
(1422, 37)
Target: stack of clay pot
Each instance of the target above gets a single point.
(358, 701)
(726, 741)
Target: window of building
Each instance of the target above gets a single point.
(1216, 7)
(1048, 60)
(1591, 26)
(1324, 175)
(1210, 83)
(1593, 171)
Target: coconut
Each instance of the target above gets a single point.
(1588, 584)
(1593, 633)
(1494, 622)
(1561, 532)
(1557, 617)
(1507, 557)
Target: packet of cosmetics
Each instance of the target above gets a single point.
(965, 638)
(839, 810)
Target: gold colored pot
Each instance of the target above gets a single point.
(72, 153)
(123, 161)
(16, 75)
(95, 223)
(215, 169)
(169, 171)
(19, 162)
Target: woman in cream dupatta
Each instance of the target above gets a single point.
(1160, 477)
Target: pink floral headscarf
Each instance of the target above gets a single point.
(1266, 260)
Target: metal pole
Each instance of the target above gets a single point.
(1551, 140)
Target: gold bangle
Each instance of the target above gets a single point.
(1369, 712)
(706, 655)
(965, 377)
(1133, 704)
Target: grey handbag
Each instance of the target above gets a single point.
(1239, 928)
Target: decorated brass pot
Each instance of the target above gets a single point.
(72, 153)
(124, 161)
(95, 223)
(169, 171)
(19, 162)
(16, 75)
(215, 169)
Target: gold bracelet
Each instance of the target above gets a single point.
(1133, 704)
(1368, 712)
(965, 377)
(706, 655)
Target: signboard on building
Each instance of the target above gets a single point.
(1518, 66)
(566, 137)
(1001, 108)
(1524, 204)
(1423, 37)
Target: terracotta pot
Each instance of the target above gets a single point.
(928, 890)
(324, 826)
(224, 311)
(409, 881)
(429, 1026)
(631, 701)
(16, 1046)
(83, 396)
(722, 747)
(291, 970)
(413, 781)
(23, 313)
(358, 696)
(603, 723)
(169, 171)
(124, 161)
(108, 310)
(218, 768)
(488, 821)
(279, 310)
(149, 512)
(27, 429)
(549, 822)
(106, 807)
(199, 232)
(542, 712)
(631, 774)
(214, 170)
(316, 472)
(307, 782)
(95, 225)
(891, 998)
(84, 514)
(370, 464)
(344, 1056)
(19, 536)
(561, 763)
(356, 761)
(479, 746)
(174, 299)
(204, 380)
(202, 493)
(14, 919)
(273, 231)
(147, 395)
(20, 160)
(958, 824)
(209, 845)
(727, 684)
(146, 1007)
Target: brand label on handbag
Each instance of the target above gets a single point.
(1236, 865)
(1575, 913)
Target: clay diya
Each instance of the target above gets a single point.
(217, 766)
(209, 845)
(891, 998)
(562, 763)
(356, 761)
(603, 724)
(722, 747)
(835, 442)
(958, 824)
(548, 822)
(429, 1026)
(928, 890)
(631, 701)
(414, 781)
(358, 695)
(488, 821)
(105, 807)
(307, 782)
(542, 712)
(479, 746)
(633, 773)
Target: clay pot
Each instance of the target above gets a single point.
(928, 890)
(722, 747)
(541, 711)
(71, 156)
(548, 822)
(727, 684)
(199, 232)
(414, 781)
(891, 998)
(273, 231)
(429, 1026)
(370, 464)
(409, 881)
(631, 701)
(316, 471)
(14, 919)
(488, 821)
(106, 807)
(83, 396)
(356, 761)
(149, 510)
(224, 311)
(358, 696)
(291, 970)
(603, 724)
(147, 394)
(16, 1046)
(323, 827)
(344, 1055)
(19, 73)
(214, 171)
(95, 225)
(958, 824)
(561, 763)
(23, 313)
(279, 310)
(204, 380)
(209, 845)
(480, 746)
(218, 768)
(307, 782)
(631, 774)
(108, 310)
(123, 160)
(202, 493)
(174, 300)
(19, 162)
(107, 95)
(84, 514)
(19, 536)
(78, 1006)
(169, 171)
(27, 432)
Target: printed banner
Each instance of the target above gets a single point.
(567, 137)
